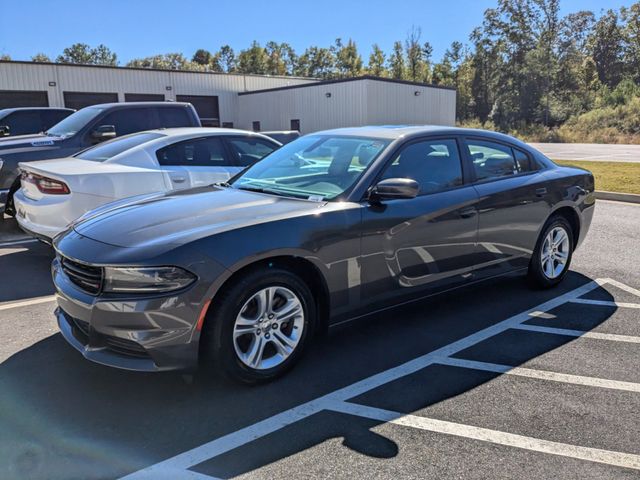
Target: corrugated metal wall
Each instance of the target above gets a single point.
(33, 76)
(274, 110)
(395, 103)
(352, 103)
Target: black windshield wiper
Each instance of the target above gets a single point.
(267, 190)
(222, 184)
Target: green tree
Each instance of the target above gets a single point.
(348, 60)
(376, 62)
(281, 58)
(40, 58)
(415, 66)
(82, 53)
(202, 57)
(316, 62)
(253, 60)
(226, 59)
(606, 49)
(165, 61)
(397, 68)
(631, 41)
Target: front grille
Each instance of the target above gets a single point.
(125, 347)
(86, 277)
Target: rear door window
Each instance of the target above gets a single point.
(249, 150)
(204, 152)
(491, 160)
(174, 117)
(129, 120)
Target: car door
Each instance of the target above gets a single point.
(513, 203)
(196, 162)
(418, 246)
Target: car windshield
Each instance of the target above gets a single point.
(110, 149)
(317, 167)
(74, 122)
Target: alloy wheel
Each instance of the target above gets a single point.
(268, 328)
(555, 252)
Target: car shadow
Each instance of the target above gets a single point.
(64, 417)
(26, 271)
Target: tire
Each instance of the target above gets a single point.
(549, 273)
(9, 208)
(222, 353)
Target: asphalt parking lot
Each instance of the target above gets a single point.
(493, 381)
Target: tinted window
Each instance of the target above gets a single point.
(491, 160)
(129, 120)
(434, 164)
(110, 149)
(250, 150)
(174, 117)
(51, 117)
(197, 152)
(20, 123)
(524, 162)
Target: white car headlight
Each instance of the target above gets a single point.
(146, 279)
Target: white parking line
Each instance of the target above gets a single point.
(176, 466)
(578, 333)
(541, 374)
(626, 460)
(26, 303)
(604, 303)
(18, 242)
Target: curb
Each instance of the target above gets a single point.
(618, 197)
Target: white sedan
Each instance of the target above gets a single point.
(54, 193)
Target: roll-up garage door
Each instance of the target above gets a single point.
(23, 98)
(206, 106)
(79, 100)
(143, 97)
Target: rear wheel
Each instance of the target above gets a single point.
(552, 255)
(259, 327)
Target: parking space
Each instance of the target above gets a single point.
(509, 382)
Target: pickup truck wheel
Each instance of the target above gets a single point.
(9, 207)
(259, 327)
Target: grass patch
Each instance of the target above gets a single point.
(621, 177)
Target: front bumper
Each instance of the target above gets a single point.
(148, 334)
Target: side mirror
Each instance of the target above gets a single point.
(104, 132)
(394, 188)
(4, 130)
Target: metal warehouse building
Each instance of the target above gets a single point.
(252, 102)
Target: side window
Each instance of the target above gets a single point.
(23, 122)
(434, 164)
(491, 160)
(129, 120)
(203, 152)
(249, 150)
(524, 162)
(51, 117)
(173, 117)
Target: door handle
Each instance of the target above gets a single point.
(540, 192)
(178, 179)
(468, 212)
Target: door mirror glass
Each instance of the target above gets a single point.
(394, 188)
(4, 130)
(104, 132)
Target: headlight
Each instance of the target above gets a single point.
(145, 279)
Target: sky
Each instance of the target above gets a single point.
(140, 28)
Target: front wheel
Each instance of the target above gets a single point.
(552, 255)
(259, 327)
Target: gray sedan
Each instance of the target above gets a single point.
(240, 276)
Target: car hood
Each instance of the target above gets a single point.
(179, 217)
(23, 143)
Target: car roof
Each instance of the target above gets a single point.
(186, 131)
(393, 132)
(139, 104)
(17, 109)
